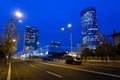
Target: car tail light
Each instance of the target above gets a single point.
(75, 59)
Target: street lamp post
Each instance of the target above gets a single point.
(70, 26)
(12, 34)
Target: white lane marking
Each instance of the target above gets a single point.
(104, 68)
(9, 71)
(85, 70)
(54, 74)
(32, 65)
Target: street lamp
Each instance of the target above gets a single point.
(62, 28)
(18, 14)
(14, 40)
(70, 26)
(11, 35)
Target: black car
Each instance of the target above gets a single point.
(73, 60)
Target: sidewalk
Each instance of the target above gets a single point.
(3, 71)
(98, 61)
(115, 64)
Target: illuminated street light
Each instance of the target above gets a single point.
(18, 14)
(14, 40)
(12, 33)
(62, 28)
(69, 25)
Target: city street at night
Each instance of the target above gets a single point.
(34, 70)
(60, 40)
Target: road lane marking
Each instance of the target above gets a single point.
(85, 70)
(54, 74)
(9, 71)
(32, 65)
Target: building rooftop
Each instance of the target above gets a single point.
(114, 34)
(87, 9)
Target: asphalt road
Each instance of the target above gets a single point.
(33, 70)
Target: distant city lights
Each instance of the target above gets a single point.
(20, 21)
(46, 53)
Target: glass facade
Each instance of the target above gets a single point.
(31, 37)
(90, 30)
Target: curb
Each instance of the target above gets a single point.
(9, 71)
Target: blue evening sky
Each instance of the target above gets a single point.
(50, 15)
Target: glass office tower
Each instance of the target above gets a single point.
(31, 37)
(90, 30)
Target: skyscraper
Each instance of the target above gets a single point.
(31, 37)
(90, 30)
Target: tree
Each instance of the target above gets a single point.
(87, 52)
(118, 49)
(9, 40)
(104, 50)
(12, 37)
(2, 55)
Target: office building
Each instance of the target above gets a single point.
(31, 37)
(90, 30)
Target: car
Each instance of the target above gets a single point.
(73, 60)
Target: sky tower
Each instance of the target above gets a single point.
(90, 30)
